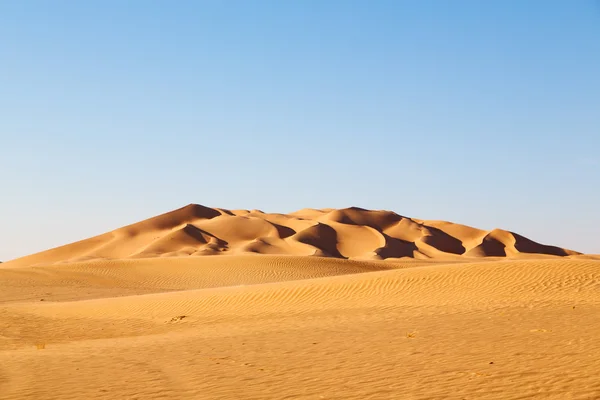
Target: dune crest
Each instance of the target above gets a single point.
(351, 233)
(316, 304)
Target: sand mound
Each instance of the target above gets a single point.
(106, 278)
(204, 303)
(353, 233)
(476, 284)
(481, 330)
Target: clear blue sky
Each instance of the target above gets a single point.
(485, 113)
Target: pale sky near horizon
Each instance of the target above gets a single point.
(485, 113)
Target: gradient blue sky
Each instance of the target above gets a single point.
(485, 113)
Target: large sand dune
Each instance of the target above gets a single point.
(516, 329)
(352, 233)
(395, 308)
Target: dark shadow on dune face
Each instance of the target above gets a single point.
(321, 236)
(199, 211)
(491, 247)
(379, 220)
(183, 215)
(201, 235)
(524, 245)
(283, 231)
(196, 233)
(341, 217)
(354, 209)
(396, 248)
(226, 212)
(443, 242)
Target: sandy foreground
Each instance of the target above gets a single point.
(288, 326)
(481, 330)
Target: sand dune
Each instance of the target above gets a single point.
(204, 303)
(351, 233)
(482, 330)
(107, 278)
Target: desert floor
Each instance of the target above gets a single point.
(289, 327)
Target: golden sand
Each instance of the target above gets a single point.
(207, 303)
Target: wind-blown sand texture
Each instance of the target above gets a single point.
(337, 304)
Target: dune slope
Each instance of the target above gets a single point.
(354, 233)
(209, 303)
(516, 329)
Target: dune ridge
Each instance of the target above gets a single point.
(502, 329)
(350, 233)
(209, 303)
